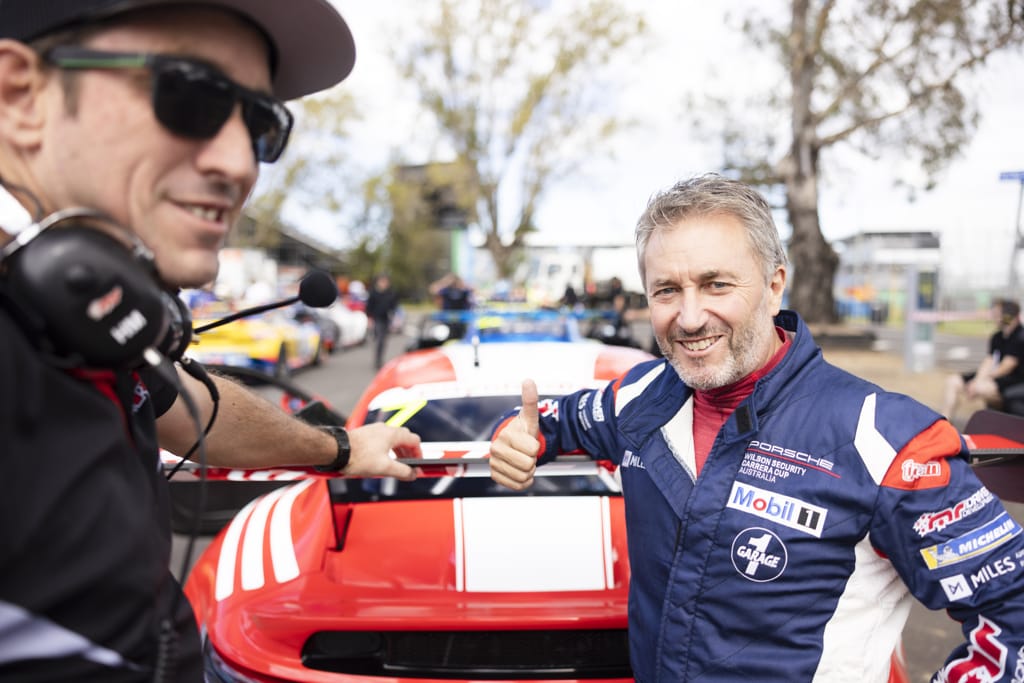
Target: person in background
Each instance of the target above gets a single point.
(1001, 369)
(380, 310)
(455, 299)
(615, 289)
(781, 512)
(452, 293)
(147, 121)
(570, 298)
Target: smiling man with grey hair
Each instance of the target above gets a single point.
(781, 512)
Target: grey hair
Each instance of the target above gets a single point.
(709, 194)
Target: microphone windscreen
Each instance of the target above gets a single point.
(318, 289)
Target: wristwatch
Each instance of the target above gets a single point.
(344, 450)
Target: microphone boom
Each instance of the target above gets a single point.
(317, 289)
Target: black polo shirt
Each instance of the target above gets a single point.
(85, 535)
(1000, 346)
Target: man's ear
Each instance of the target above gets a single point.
(777, 285)
(22, 107)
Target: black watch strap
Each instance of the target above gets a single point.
(344, 450)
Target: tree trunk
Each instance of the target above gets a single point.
(501, 254)
(813, 261)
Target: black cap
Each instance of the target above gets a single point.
(313, 46)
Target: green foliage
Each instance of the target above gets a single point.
(315, 171)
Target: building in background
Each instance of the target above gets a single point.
(876, 270)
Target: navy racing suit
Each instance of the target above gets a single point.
(824, 504)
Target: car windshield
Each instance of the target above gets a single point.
(465, 419)
(535, 326)
(461, 418)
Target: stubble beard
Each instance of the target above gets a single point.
(747, 351)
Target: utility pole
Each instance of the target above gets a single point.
(1019, 177)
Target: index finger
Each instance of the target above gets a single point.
(529, 412)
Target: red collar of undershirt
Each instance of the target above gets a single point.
(730, 396)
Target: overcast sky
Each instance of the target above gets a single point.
(971, 207)
(691, 51)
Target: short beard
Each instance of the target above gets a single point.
(748, 347)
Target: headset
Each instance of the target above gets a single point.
(87, 293)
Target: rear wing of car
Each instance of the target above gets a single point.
(996, 443)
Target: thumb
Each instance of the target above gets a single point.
(528, 413)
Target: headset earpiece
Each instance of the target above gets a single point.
(92, 300)
(179, 328)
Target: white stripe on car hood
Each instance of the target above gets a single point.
(245, 538)
(535, 544)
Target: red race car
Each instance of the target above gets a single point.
(447, 577)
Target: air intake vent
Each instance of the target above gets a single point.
(472, 654)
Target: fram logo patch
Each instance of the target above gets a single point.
(974, 543)
(791, 512)
(911, 470)
(759, 555)
(908, 474)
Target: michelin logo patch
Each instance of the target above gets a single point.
(791, 512)
(978, 542)
(759, 555)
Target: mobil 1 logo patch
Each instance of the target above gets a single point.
(759, 555)
(792, 512)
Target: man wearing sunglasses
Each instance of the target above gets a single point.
(156, 115)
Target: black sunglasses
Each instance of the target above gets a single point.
(191, 98)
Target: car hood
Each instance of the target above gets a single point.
(439, 564)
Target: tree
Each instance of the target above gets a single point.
(516, 92)
(315, 171)
(877, 76)
(416, 251)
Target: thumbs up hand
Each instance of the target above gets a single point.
(514, 450)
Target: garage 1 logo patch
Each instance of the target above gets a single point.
(759, 555)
